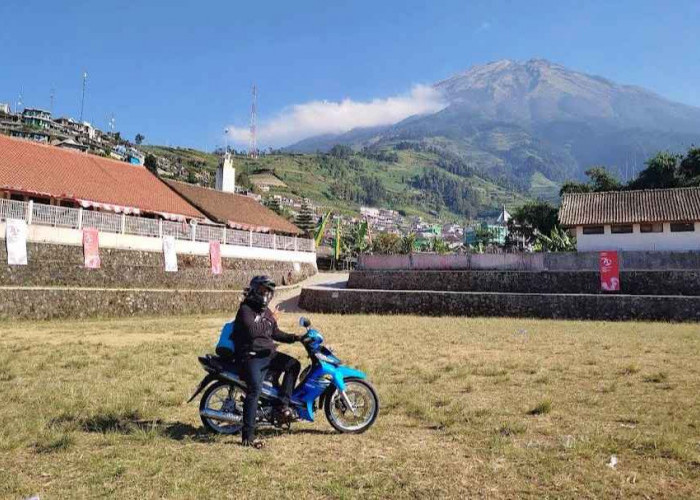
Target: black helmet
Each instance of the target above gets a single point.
(260, 291)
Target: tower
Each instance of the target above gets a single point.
(226, 174)
(253, 148)
(82, 99)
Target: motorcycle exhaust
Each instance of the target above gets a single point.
(220, 415)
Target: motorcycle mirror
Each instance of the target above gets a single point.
(304, 322)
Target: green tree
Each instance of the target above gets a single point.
(599, 180)
(602, 180)
(438, 245)
(274, 205)
(574, 187)
(151, 163)
(306, 219)
(386, 244)
(484, 235)
(355, 241)
(531, 219)
(341, 151)
(689, 168)
(408, 243)
(558, 240)
(139, 139)
(243, 181)
(661, 172)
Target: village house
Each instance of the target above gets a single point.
(661, 219)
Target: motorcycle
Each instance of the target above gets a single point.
(350, 403)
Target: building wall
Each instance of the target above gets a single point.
(638, 241)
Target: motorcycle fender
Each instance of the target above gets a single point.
(205, 382)
(342, 372)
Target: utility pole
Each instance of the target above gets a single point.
(82, 100)
(19, 102)
(253, 148)
(53, 95)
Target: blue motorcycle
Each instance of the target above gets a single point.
(350, 402)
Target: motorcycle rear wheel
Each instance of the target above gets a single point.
(363, 396)
(226, 397)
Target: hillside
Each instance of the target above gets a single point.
(536, 124)
(422, 183)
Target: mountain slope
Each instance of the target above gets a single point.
(537, 123)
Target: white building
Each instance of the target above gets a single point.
(660, 219)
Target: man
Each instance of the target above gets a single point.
(254, 337)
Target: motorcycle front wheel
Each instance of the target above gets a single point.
(365, 401)
(227, 399)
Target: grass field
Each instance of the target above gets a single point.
(470, 408)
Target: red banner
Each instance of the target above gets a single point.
(215, 256)
(609, 272)
(91, 248)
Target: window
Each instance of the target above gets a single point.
(621, 229)
(593, 230)
(656, 227)
(682, 227)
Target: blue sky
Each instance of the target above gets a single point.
(180, 72)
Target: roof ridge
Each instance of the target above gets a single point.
(631, 191)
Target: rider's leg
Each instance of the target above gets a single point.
(254, 369)
(281, 362)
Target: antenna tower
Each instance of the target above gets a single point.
(19, 102)
(82, 100)
(253, 149)
(53, 95)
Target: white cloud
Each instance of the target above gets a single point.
(323, 117)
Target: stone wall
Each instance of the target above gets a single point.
(574, 261)
(631, 282)
(554, 306)
(54, 303)
(62, 266)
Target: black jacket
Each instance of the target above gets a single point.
(257, 331)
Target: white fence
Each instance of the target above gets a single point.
(77, 218)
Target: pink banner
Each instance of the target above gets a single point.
(91, 248)
(609, 272)
(215, 256)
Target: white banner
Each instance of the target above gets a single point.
(16, 239)
(169, 254)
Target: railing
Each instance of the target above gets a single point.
(77, 218)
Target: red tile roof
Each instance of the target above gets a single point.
(32, 168)
(628, 207)
(234, 210)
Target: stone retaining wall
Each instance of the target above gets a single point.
(62, 265)
(53, 303)
(554, 306)
(573, 261)
(631, 282)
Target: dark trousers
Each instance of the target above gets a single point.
(254, 370)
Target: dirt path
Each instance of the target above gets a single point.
(287, 300)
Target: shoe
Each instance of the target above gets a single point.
(253, 443)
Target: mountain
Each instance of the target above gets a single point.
(535, 124)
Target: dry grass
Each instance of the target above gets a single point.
(470, 407)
